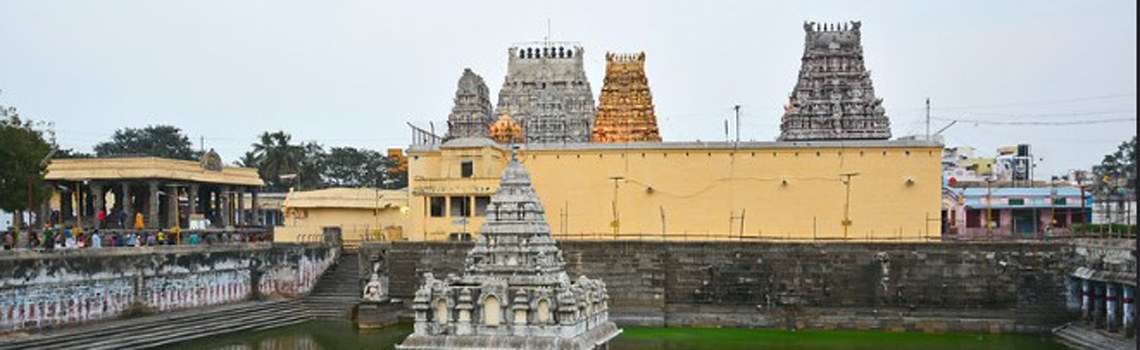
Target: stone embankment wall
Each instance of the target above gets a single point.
(939, 287)
(42, 290)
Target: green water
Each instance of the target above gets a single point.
(344, 336)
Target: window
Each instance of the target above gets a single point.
(461, 206)
(1060, 201)
(1017, 201)
(974, 218)
(543, 311)
(491, 311)
(437, 204)
(466, 168)
(441, 311)
(481, 203)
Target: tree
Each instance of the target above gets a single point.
(156, 140)
(1119, 168)
(68, 153)
(353, 167)
(23, 155)
(283, 164)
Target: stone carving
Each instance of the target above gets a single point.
(211, 161)
(547, 92)
(471, 114)
(625, 111)
(834, 98)
(376, 290)
(514, 291)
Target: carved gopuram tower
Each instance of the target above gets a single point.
(625, 107)
(834, 98)
(471, 114)
(514, 291)
(546, 91)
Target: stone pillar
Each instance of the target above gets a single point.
(1086, 300)
(1127, 323)
(191, 200)
(1098, 304)
(227, 207)
(171, 205)
(239, 214)
(65, 206)
(1110, 306)
(96, 203)
(255, 209)
(152, 205)
(128, 205)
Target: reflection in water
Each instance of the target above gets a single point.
(325, 335)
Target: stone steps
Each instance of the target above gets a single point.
(168, 328)
(338, 290)
(1079, 336)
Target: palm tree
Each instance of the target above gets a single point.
(275, 157)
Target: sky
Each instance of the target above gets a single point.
(353, 73)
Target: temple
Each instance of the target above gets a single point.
(625, 110)
(514, 291)
(547, 92)
(471, 114)
(834, 99)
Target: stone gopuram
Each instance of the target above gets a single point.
(547, 92)
(471, 114)
(514, 292)
(625, 107)
(834, 99)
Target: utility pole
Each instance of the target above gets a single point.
(928, 119)
(737, 109)
(989, 208)
(847, 203)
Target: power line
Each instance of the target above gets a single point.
(1046, 102)
(1040, 123)
(1052, 115)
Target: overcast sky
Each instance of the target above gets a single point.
(353, 72)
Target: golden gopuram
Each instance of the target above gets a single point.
(506, 131)
(625, 110)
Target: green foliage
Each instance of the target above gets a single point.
(353, 167)
(283, 164)
(23, 151)
(1114, 228)
(68, 153)
(1118, 169)
(156, 140)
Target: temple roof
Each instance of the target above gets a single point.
(149, 168)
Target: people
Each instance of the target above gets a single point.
(131, 240)
(193, 238)
(102, 216)
(96, 241)
(8, 241)
(161, 237)
(139, 225)
(150, 241)
(69, 240)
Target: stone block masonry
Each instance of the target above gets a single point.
(932, 287)
(46, 290)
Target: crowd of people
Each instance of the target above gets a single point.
(56, 238)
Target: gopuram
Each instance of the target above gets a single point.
(547, 92)
(834, 99)
(471, 114)
(506, 131)
(625, 107)
(514, 292)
